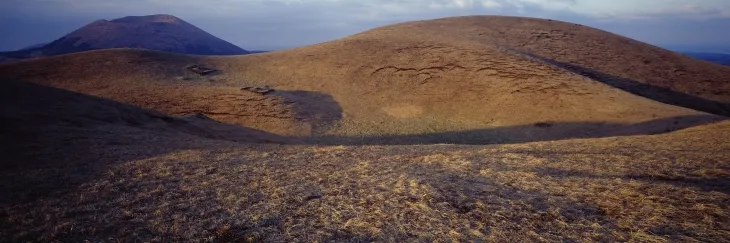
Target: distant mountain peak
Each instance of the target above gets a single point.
(160, 32)
(157, 18)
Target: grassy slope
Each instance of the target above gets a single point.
(163, 188)
(418, 81)
(82, 168)
(157, 81)
(598, 52)
(408, 80)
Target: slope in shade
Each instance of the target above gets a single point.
(155, 32)
(34, 117)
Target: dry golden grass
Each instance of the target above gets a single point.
(72, 173)
(446, 76)
(79, 168)
(615, 189)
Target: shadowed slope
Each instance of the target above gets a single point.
(669, 187)
(35, 117)
(542, 131)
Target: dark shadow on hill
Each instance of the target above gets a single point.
(57, 140)
(319, 110)
(61, 46)
(657, 93)
(542, 131)
(465, 192)
(708, 184)
(52, 140)
(42, 128)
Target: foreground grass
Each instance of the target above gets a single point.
(648, 189)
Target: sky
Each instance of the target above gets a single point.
(280, 24)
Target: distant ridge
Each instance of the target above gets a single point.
(719, 58)
(33, 46)
(154, 32)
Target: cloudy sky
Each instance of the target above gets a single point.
(277, 24)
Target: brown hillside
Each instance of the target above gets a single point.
(76, 168)
(454, 79)
(496, 47)
(159, 81)
(80, 161)
(600, 55)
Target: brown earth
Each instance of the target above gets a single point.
(399, 83)
(82, 162)
(78, 168)
(34, 117)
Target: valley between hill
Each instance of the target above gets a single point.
(126, 173)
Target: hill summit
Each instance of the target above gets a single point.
(463, 80)
(154, 32)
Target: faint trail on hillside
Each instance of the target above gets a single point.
(656, 93)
